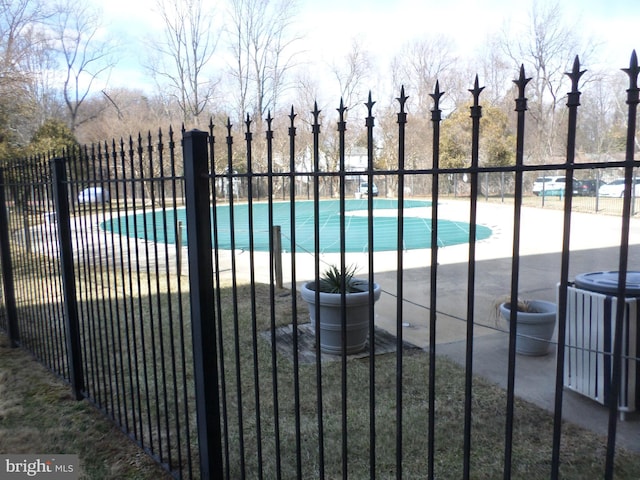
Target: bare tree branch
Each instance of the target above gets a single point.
(76, 29)
(185, 54)
(260, 42)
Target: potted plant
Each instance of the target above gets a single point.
(329, 289)
(536, 320)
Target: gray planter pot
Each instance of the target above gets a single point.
(535, 329)
(330, 325)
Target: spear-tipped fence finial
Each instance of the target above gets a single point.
(573, 98)
(475, 91)
(370, 103)
(269, 130)
(370, 118)
(632, 72)
(402, 99)
(521, 82)
(436, 112)
(315, 128)
(342, 110)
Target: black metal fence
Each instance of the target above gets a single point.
(212, 376)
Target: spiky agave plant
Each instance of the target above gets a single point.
(333, 280)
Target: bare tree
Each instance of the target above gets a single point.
(352, 74)
(24, 55)
(121, 112)
(86, 55)
(417, 67)
(17, 21)
(497, 73)
(185, 55)
(43, 85)
(603, 114)
(261, 44)
(547, 51)
(420, 63)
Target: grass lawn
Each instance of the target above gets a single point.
(38, 415)
(582, 452)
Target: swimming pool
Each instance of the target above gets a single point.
(160, 226)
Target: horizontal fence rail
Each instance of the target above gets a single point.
(147, 276)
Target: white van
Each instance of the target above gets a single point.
(93, 195)
(363, 189)
(553, 185)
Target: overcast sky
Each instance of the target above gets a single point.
(384, 25)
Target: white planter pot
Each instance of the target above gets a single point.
(330, 324)
(535, 329)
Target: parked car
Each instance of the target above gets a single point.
(551, 185)
(364, 189)
(93, 195)
(585, 188)
(616, 188)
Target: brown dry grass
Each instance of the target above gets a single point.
(38, 415)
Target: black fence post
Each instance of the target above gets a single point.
(7, 269)
(65, 247)
(198, 212)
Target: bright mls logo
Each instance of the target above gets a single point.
(51, 467)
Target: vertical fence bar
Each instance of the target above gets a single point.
(342, 127)
(48, 249)
(7, 269)
(370, 123)
(106, 302)
(166, 331)
(275, 280)
(113, 299)
(476, 114)
(436, 118)
(633, 98)
(315, 129)
(521, 108)
(124, 327)
(154, 313)
(231, 179)
(61, 196)
(39, 316)
(126, 163)
(142, 255)
(78, 171)
(573, 102)
(252, 295)
(183, 399)
(218, 299)
(202, 306)
(294, 304)
(179, 229)
(402, 123)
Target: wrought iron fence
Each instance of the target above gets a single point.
(221, 376)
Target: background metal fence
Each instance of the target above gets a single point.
(96, 246)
